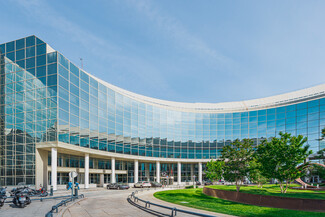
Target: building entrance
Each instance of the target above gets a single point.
(167, 180)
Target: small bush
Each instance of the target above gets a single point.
(189, 187)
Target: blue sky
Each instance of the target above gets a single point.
(188, 51)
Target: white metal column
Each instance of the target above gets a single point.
(158, 171)
(54, 160)
(113, 177)
(86, 170)
(136, 171)
(200, 172)
(179, 178)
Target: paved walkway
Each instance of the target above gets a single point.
(114, 203)
(37, 208)
(104, 203)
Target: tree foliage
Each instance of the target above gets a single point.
(320, 155)
(315, 170)
(215, 170)
(280, 157)
(237, 158)
(255, 175)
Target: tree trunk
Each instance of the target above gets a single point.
(237, 186)
(281, 186)
(285, 191)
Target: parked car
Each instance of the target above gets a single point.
(138, 185)
(142, 185)
(146, 184)
(118, 186)
(197, 183)
(155, 184)
(208, 182)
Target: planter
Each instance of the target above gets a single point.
(316, 205)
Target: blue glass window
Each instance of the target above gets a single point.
(63, 72)
(74, 99)
(21, 63)
(270, 111)
(11, 56)
(51, 57)
(39, 41)
(41, 49)
(63, 61)
(41, 71)
(10, 46)
(20, 44)
(30, 52)
(30, 41)
(74, 69)
(2, 48)
(302, 106)
(51, 80)
(74, 80)
(261, 112)
(84, 77)
(63, 83)
(51, 69)
(30, 63)
(313, 103)
(64, 94)
(20, 54)
(63, 115)
(74, 90)
(41, 60)
(74, 110)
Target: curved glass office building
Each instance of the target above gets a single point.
(57, 118)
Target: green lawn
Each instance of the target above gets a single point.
(274, 190)
(196, 199)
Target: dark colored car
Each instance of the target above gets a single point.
(155, 184)
(197, 183)
(118, 186)
(208, 182)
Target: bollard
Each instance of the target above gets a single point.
(76, 192)
(51, 190)
(317, 185)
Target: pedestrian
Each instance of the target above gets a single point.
(69, 185)
(77, 185)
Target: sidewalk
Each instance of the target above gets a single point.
(149, 197)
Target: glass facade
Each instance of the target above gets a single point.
(46, 98)
(28, 106)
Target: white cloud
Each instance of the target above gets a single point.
(174, 29)
(106, 51)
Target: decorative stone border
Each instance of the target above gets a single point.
(316, 205)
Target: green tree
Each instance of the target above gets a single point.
(255, 174)
(280, 157)
(237, 158)
(315, 170)
(320, 155)
(215, 170)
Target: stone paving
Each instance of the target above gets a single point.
(97, 202)
(113, 203)
(36, 208)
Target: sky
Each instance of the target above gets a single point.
(185, 50)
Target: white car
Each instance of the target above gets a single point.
(142, 185)
(146, 184)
